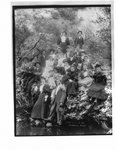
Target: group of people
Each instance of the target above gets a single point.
(78, 71)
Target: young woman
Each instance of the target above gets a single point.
(63, 41)
(40, 110)
(97, 89)
(72, 86)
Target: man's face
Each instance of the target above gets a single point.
(80, 34)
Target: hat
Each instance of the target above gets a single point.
(79, 31)
(97, 65)
(24, 58)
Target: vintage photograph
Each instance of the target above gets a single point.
(62, 59)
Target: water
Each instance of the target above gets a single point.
(25, 129)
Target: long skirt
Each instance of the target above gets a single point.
(72, 88)
(97, 91)
(63, 47)
(41, 108)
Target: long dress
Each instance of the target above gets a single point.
(97, 89)
(41, 107)
(72, 86)
(63, 44)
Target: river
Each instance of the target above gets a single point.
(23, 128)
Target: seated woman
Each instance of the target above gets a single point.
(97, 89)
(72, 87)
(84, 76)
(40, 110)
(71, 59)
(86, 61)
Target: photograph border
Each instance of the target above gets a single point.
(32, 5)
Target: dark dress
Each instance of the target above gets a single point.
(79, 42)
(72, 87)
(63, 45)
(71, 61)
(41, 107)
(96, 90)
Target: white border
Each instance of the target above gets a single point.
(98, 2)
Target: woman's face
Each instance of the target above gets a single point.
(79, 66)
(58, 82)
(86, 58)
(63, 34)
(38, 65)
(98, 69)
(42, 81)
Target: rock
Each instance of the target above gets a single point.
(37, 122)
(49, 124)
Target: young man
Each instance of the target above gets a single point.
(58, 97)
(79, 41)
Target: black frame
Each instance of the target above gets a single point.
(15, 7)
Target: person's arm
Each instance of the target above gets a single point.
(75, 42)
(104, 80)
(67, 41)
(59, 41)
(82, 40)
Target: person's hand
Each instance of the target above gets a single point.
(70, 80)
(46, 98)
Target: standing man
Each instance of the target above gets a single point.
(79, 41)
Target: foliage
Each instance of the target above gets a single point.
(37, 31)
